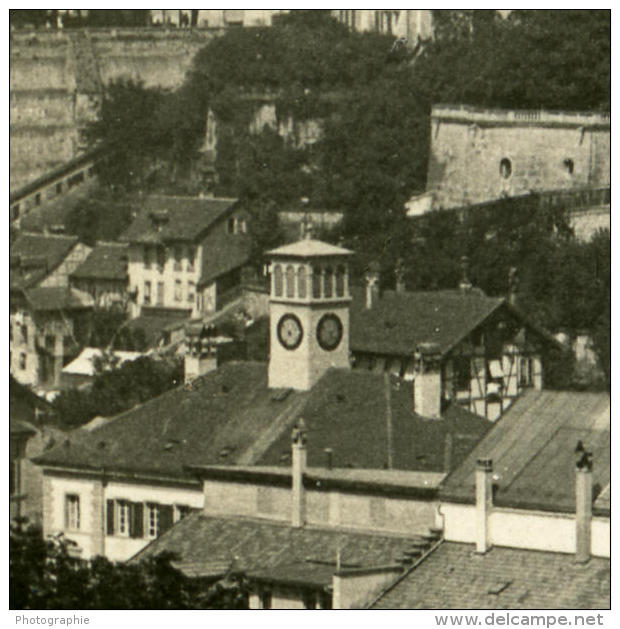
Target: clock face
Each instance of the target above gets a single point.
(290, 332)
(329, 332)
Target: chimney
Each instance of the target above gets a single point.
(583, 506)
(329, 456)
(513, 285)
(201, 356)
(465, 284)
(372, 284)
(298, 445)
(427, 381)
(484, 503)
(399, 272)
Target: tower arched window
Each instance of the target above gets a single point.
(329, 281)
(277, 280)
(340, 273)
(301, 282)
(316, 282)
(290, 281)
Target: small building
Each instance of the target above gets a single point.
(45, 260)
(184, 251)
(84, 367)
(103, 275)
(47, 327)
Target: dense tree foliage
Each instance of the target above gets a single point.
(117, 390)
(44, 575)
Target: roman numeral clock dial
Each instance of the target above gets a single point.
(290, 331)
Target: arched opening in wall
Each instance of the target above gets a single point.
(340, 273)
(290, 281)
(277, 280)
(569, 165)
(316, 282)
(505, 168)
(329, 281)
(301, 282)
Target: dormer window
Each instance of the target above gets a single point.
(230, 228)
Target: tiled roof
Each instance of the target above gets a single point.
(533, 450)
(58, 298)
(169, 218)
(454, 576)
(222, 253)
(35, 256)
(308, 248)
(227, 411)
(398, 322)
(346, 411)
(107, 261)
(24, 403)
(231, 410)
(276, 551)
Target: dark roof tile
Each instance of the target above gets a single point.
(455, 577)
(172, 218)
(58, 298)
(533, 450)
(107, 261)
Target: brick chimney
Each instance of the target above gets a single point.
(583, 506)
(427, 381)
(298, 465)
(465, 284)
(200, 358)
(372, 284)
(484, 503)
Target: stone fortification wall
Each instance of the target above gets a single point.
(56, 79)
(480, 155)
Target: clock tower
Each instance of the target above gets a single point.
(309, 312)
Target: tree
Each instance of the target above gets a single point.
(43, 574)
(117, 390)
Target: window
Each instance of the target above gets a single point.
(16, 212)
(24, 334)
(178, 290)
(122, 518)
(301, 282)
(277, 280)
(22, 361)
(147, 257)
(152, 521)
(569, 165)
(462, 373)
(340, 273)
(160, 293)
(147, 293)
(230, 226)
(290, 281)
(316, 282)
(178, 258)
(265, 600)
(243, 226)
(329, 281)
(191, 256)
(505, 168)
(182, 511)
(191, 291)
(72, 512)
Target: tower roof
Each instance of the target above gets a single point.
(309, 248)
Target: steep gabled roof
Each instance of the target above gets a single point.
(533, 450)
(276, 552)
(399, 321)
(107, 261)
(223, 253)
(164, 219)
(35, 256)
(454, 576)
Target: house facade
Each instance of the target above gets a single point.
(177, 244)
(47, 326)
